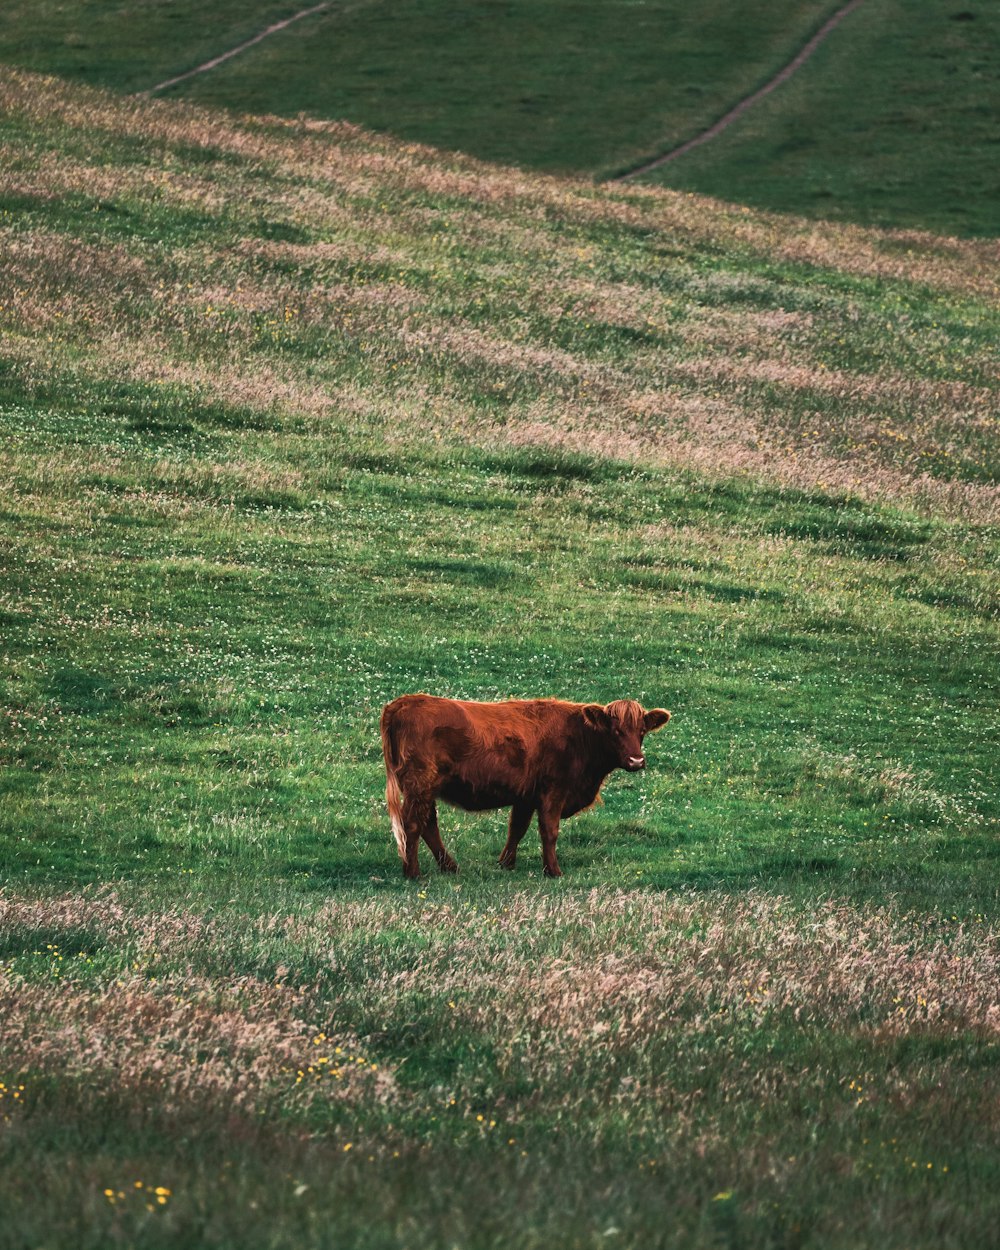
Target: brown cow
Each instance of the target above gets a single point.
(537, 755)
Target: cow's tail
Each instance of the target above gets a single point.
(393, 793)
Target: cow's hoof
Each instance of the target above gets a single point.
(553, 872)
(411, 876)
(448, 865)
(509, 864)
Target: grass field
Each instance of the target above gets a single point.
(295, 419)
(891, 123)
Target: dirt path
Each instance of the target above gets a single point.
(224, 56)
(803, 55)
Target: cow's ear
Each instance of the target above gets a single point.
(656, 718)
(596, 716)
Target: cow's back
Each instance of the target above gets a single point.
(477, 755)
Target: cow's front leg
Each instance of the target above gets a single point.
(549, 811)
(432, 836)
(520, 819)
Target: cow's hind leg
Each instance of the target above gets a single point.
(418, 812)
(432, 837)
(520, 819)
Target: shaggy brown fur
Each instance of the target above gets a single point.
(538, 755)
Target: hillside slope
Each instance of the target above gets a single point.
(322, 268)
(295, 419)
(891, 123)
(582, 85)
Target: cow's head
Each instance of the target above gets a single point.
(623, 725)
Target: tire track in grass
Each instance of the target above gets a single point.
(225, 56)
(797, 61)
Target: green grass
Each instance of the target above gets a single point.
(296, 420)
(534, 1065)
(230, 666)
(891, 122)
(559, 85)
(132, 47)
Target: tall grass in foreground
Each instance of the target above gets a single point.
(440, 1068)
(295, 420)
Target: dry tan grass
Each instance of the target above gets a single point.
(574, 982)
(340, 152)
(728, 392)
(743, 449)
(242, 1045)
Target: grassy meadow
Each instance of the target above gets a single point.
(892, 122)
(296, 418)
(583, 85)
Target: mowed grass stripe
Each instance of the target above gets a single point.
(549, 541)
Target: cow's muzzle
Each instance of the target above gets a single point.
(635, 763)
